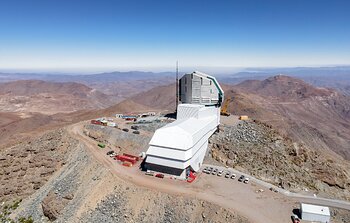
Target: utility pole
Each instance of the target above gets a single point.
(177, 85)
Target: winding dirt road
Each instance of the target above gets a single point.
(242, 198)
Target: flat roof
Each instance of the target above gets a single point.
(315, 209)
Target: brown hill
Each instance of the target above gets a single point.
(49, 97)
(162, 97)
(283, 87)
(316, 116)
(124, 107)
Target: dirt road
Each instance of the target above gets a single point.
(228, 193)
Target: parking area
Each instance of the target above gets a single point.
(226, 173)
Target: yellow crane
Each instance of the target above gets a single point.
(224, 107)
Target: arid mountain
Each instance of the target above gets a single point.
(118, 85)
(162, 97)
(283, 88)
(332, 77)
(318, 117)
(49, 97)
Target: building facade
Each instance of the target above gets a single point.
(180, 147)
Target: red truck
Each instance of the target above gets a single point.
(159, 175)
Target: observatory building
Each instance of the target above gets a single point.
(179, 147)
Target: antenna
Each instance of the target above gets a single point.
(177, 85)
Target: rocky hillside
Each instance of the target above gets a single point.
(49, 97)
(283, 88)
(259, 150)
(162, 97)
(318, 117)
(63, 182)
(29, 165)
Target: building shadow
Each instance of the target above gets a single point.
(171, 115)
(296, 211)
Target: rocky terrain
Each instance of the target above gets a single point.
(29, 165)
(121, 141)
(83, 190)
(152, 206)
(317, 117)
(259, 150)
(58, 179)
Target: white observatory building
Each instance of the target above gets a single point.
(180, 147)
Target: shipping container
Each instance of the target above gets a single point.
(126, 158)
(132, 156)
(243, 117)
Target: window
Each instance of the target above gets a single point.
(185, 89)
(210, 82)
(201, 81)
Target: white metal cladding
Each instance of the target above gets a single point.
(184, 142)
(200, 88)
(178, 160)
(188, 111)
(183, 134)
(316, 213)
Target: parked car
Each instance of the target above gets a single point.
(246, 180)
(149, 173)
(209, 169)
(227, 175)
(205, 170)
(233, 176)
(109, 152)
(125, 130)
(241, 178)
(159, 175)
(134, 127)
(112, 154)
(220, 173)
(214, 171)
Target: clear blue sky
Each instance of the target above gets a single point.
(129, 34)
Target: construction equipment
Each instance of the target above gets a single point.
(224, 107)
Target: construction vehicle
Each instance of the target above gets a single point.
(224, 107)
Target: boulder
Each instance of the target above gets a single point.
(53, 205)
